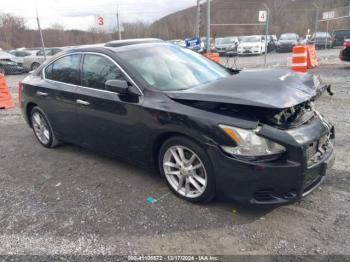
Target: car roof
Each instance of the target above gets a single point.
(118, 43)
(104, 48)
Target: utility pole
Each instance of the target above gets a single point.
(198, 17)
(316, 20)
(118, 25)
(41, 33)
(266, 32)
(327, 33)
(208, 26)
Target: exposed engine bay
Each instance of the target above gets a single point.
(280, 118)
(283, 119)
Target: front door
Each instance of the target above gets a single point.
(106, 119)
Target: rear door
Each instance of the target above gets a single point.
(62, 77)
(106, 120)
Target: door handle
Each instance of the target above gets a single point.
(39, 93)
(82, 102)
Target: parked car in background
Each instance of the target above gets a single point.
(286, 42)
(33, 61)
(8, 64)
(20, 54)
(321, 40)
(339, 36)
(226, 44)
(178, 42)
(252, 45)
(345, 52)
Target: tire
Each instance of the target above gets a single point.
(42, 128)
(34, 66)
(197, 178)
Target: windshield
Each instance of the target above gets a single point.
(4, 54)
(218, 41)
(288, 37)
(169, 67)
(251, 39)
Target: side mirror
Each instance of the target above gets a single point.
(118, 86)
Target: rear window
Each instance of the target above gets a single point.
(65, 69)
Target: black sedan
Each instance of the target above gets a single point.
(345, 52)
(248, 136)
(286, 42)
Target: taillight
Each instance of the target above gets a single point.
(347, 44)
(20, 93)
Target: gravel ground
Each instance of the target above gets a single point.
(71, 201)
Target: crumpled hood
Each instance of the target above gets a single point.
(271, 88)
(4, 56)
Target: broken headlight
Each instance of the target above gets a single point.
(249, 144)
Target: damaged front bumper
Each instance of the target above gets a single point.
(288, 179)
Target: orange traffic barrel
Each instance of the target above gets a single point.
(6, 100)
(213, 56)
(299, 58)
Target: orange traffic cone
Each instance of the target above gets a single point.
(299, 59)
(213, 56)
(6, 100)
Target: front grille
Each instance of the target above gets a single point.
(316, 150)
(311, 150)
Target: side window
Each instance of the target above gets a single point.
(65, 69)
(48, 72)
(97, 70)
(55, 51)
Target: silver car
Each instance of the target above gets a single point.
(32, 62)
(226, 44)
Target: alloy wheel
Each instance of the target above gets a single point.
(41, 128)
(185, 171)
(35, 66)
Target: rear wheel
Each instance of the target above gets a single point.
(34, 66)
(42, 128)
(187, 170)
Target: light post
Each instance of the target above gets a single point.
(316, 20)
(266, 32)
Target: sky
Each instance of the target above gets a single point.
(82, 14)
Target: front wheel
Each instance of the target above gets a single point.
(187, 170)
